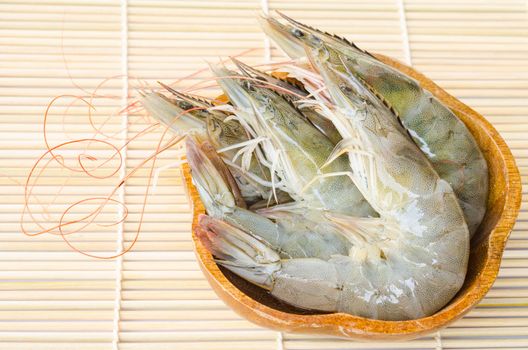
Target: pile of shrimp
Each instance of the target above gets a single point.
(335, 182)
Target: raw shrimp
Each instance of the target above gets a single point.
(294, 149)
(298, 93)
(185, 114)
(438, 132)
(407, 264)
(291, 234)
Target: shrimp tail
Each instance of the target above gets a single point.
(239, 251)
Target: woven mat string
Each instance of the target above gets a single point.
(122, 174)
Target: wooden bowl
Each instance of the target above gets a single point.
(487, 247)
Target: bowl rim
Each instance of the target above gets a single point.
(357, 327)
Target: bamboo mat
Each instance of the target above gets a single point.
(155, 297)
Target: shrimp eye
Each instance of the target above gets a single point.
(343, 87)
(297, 33)
(247, 85)
(185, 105)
